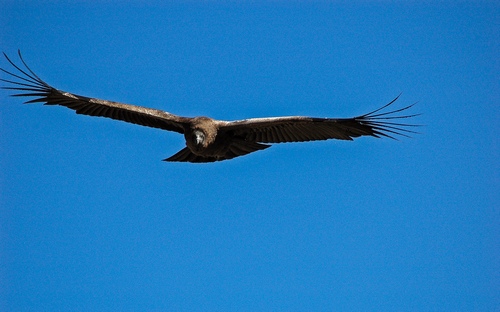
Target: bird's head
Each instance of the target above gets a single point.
(198, 138)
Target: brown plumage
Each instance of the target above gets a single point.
(207, 139)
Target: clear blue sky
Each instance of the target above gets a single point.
(93, 220)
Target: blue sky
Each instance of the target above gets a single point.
(92, 220)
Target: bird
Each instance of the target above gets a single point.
(210, 140)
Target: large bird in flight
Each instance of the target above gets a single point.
(207, 139)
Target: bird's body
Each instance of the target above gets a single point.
(207, 139)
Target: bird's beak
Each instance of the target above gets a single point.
(200, 137)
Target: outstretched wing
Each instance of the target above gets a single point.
(299, 128)
(30, 85)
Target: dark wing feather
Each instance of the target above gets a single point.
(300, 128)
(235, 149)
(185, 155)
(31, 85)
